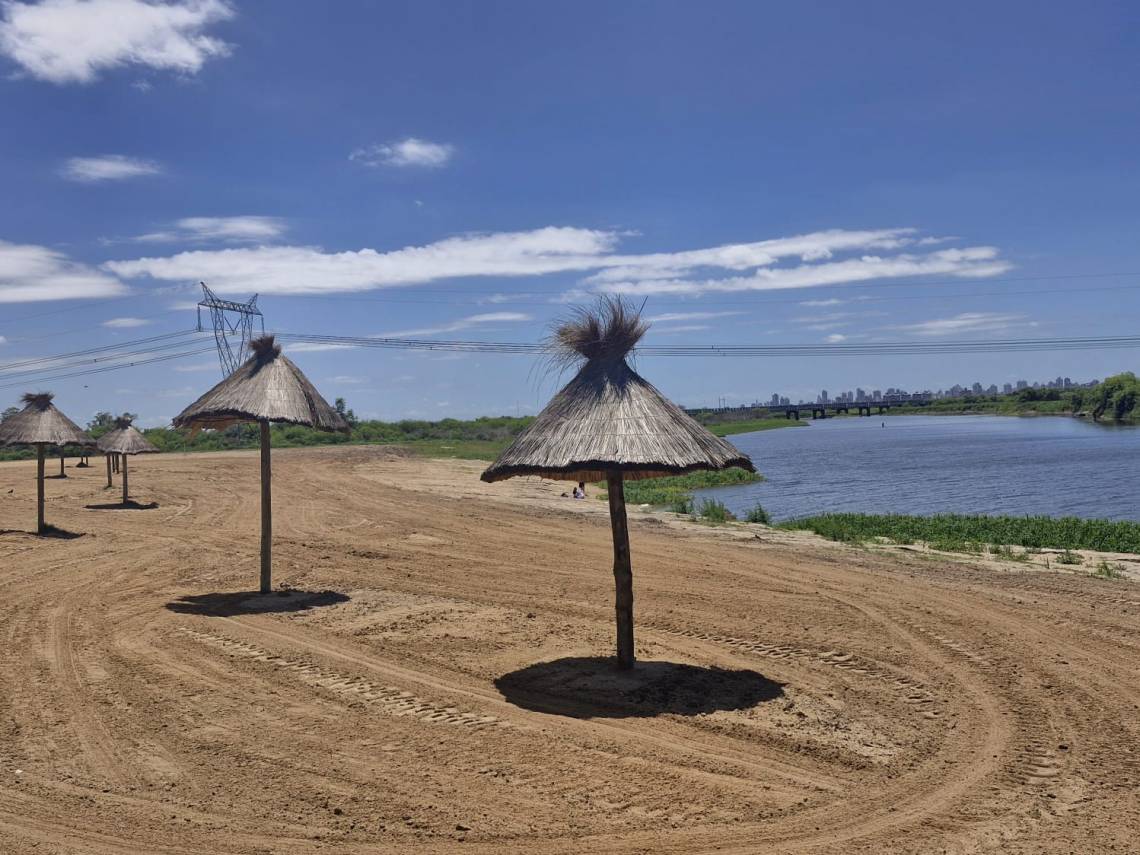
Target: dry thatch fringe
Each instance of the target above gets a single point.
(606, 331)
(41, 400)
(265, 349)
(608, 418)
(41, 423)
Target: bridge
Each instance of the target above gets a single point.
(820, 410)
(863, 408)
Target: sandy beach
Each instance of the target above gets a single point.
(437, 679)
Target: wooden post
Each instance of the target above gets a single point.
(623, 571)
(108, 458)
(124, 479)
(266, 512)
(62, 474)
(40, 527)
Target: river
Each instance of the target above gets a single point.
(942, 464)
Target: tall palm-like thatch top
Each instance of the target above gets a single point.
(266, 387)
(41, 423)
(125, 439)
(609, 418)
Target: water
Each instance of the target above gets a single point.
(942, 464)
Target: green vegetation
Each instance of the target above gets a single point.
(1068, 557)
(1109, 570)
(752, 425)
(1007, 553)
(758, 515)
(1114, 399)
(476, 439)
(674, 489)
(714, 511)
(962, 533)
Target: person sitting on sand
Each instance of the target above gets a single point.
(580, 490)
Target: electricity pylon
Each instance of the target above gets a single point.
(239, 328)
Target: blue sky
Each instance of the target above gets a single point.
(758, 173)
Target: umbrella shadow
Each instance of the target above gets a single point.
(55, 477)
(49, 531)
(130, 505)
(235, 603)
(593, 687)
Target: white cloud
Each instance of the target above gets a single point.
(125, 323)
(688, 316)
(971, 262)
(835, 338)
(3, 340)
(183, 392)
(73, 41)
(727, 268)
(834, 301)
(29, 273)
(316, 347)
(196, 367)
(107, 167)
(461, 324)
(408, 152)
(680, 329)
(347, 380)
(967, 322)
(229, 229)
(816, 246)
(307, 270)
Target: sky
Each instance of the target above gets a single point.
(754, 173)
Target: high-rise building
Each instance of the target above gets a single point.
(1007, 389)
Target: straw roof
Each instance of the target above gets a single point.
(609, 417)
(41, 423)
(125, 439)
(267, 386)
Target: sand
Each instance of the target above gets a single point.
(436, 679)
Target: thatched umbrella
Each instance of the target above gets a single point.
(124, 439)
(41, 424)
(268, 387)
(608, 422)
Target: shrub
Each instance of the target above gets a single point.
(1109, 570)
(714, 511)
(1068, 557)
(759, 515)
(682, 505)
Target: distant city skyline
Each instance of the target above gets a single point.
(893, 393)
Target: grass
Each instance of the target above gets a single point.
(672, 490)
(964, 532)
(752, 425)
(714, 511)
(1109, 570)
(1068, 557)
(758, 515)
(462, 449)
(1007, 553)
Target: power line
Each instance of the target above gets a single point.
(100, 349)
(155, 353)
(114, 356)
(107, 368)
(745, 350)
